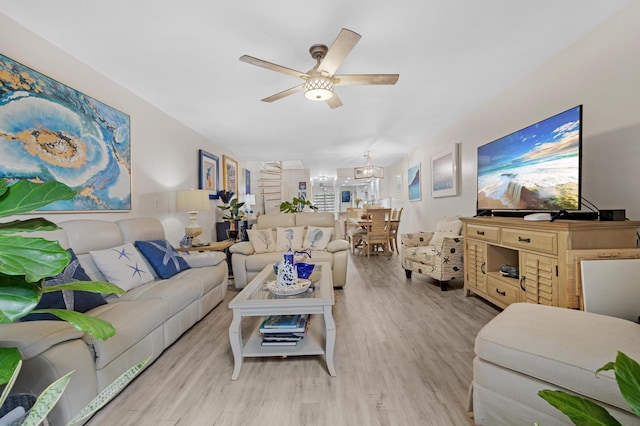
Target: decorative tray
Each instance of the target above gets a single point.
(301, 287)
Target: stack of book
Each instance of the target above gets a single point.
(283, 330)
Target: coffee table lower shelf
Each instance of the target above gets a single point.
(311, 344)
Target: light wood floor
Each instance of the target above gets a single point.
(404, 355)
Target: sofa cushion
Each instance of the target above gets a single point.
(178, 291)
(289, 238)
(262, 240)
(317, 238)
(273, 220)
(560, 346)
(164, 259)
(133, 321)
(337, 245)
(79, 301)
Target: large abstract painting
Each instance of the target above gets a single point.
(49, 131)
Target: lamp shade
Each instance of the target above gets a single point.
(192, 200)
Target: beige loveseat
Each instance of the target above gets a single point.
(528, 348)
(246, 263)
(147, 319)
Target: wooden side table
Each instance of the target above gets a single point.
(213, 246)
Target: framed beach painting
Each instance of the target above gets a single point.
(50, 131)
(230, 173)
(208, 173)
(415, 187)
(444, 173)
(247, 181)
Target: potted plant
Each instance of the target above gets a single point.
(233, 212)
(584, 412)
(24, 264)
(357, 201)
(296, 205)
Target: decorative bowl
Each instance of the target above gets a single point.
(304, 269)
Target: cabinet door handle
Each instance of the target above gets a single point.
(522, 279)
(524, 240)
(501, 293)
(480, 232)
(482, 267)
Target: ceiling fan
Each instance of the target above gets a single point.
(320, 80)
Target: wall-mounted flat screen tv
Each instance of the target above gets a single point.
(536, 168)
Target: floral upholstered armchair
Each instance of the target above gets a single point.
(437, 254)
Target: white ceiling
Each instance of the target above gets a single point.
(182, 56)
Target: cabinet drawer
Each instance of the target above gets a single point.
(501, 291)
(533, 240)
(482, 232)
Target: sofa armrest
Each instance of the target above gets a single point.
(201, 260)
(416, 239)
(34, 337)
(337, 245)
(447, 243)
(243, 247)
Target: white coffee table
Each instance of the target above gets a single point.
(256, 301)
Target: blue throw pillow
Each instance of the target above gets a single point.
(79, 301)
(164, 259)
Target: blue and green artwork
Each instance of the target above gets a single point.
(413, 177)
(49, 131)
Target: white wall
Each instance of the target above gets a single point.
(602, 72)
(164, 152)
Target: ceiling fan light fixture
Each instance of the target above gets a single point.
(318, 88)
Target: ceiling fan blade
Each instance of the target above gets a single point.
(273, 67)
(334, 101)
(284, 93)
(355, 79)
(340, 48)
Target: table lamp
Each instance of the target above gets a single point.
(192, 201)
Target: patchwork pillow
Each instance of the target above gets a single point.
(262, 240)
(289, 238)
(122, 266)
(447, 227)
(71, 300)
(164, 259)
(317, 238)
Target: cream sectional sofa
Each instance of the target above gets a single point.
(147, 319)
(246, 264)
(528, 348)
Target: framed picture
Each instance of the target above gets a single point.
(50, 131)
(247, 181)
(346, 196)
(415, 188)
(302, 186)
(444, 173)
(208, 167)
(230, 173)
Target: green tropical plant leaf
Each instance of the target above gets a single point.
(29, 225)
(582, 412)
(11, 381)
(92, 286)
(25, 196)
(35, 258)
(98, 328)
(17, 297)
(109, 392)
(47, 399)
(628, 377)
(9, 360)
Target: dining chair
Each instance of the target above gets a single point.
(377, 232)
(353, 231)
(393, 231)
